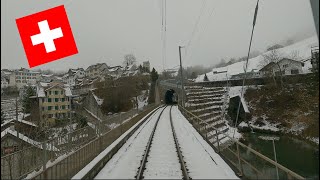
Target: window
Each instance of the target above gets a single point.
(50, 115)
(49, 108)
(49, 92)
(56, 107)
(62, 99)
(42, 100)
(63, 107)
(294, 71)
(56, 92)
(277, 73)
(49, 99)
(61, 92)
(56, 99)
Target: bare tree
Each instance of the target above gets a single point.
(271, 61)
(294, 55)
(129, 59)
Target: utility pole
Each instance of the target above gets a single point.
(181, 75)
(17, 116)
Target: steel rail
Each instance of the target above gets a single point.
(182, 163)
(145, 156)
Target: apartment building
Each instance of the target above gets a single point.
(96, 69)
(23, 77)
(52, 101)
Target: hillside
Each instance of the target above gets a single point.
(302, 49)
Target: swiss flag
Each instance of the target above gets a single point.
(46, 36)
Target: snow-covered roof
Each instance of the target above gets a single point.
(26, 139)
(98, 100)
(46, 75)
(302, 48)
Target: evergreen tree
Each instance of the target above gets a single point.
(141, 69)
(26, 101)
(154, 75)
(205, 77)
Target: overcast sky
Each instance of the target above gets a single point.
(106, 30)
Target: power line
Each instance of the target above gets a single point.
(201, 32)
(197, 22)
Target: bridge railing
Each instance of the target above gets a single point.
(33, 161)
(244, 160)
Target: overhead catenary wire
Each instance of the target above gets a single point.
(246, 67)
(204, 28)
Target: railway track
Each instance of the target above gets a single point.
(151, 142)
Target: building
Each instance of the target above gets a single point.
(254, 73)
(115, 71)
(95, 70)
(285, 67)
(52, 101)
(23, 77)
(72, 75)
(4, 82)
(146, 66)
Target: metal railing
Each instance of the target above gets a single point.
(247, 162)
(64, 150)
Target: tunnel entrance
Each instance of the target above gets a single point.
(171, 97)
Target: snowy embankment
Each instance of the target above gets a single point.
(201, 160)
(302, 49)
(124, 164)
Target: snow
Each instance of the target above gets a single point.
(98, 100)
(114, 161)
(40, 92)
(268, 126)
(303, 48)
(13, 132)
(92, 114)
(48, 164)
(269, 138)
(163, 161)
(67, 91)
(201, 160)
(314, 139)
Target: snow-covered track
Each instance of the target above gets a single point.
(145, 156)
(182, 163)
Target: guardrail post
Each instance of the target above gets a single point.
(218, 141)
(239, 161)
(205, 126)
(44, 148)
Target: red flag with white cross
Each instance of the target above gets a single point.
(46, 36)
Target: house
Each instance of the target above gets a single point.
(23, 77)
(13, 141)
(146, 66)
(95, 70)
(52, 101)
(115, 71)
(4, 82)
(47, 78)
(285, 66)
(72, 75)
(254, 73)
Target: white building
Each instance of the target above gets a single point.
(72, 75)
(285, 66)
(96, 69)
(4, 82)
(23, 77)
